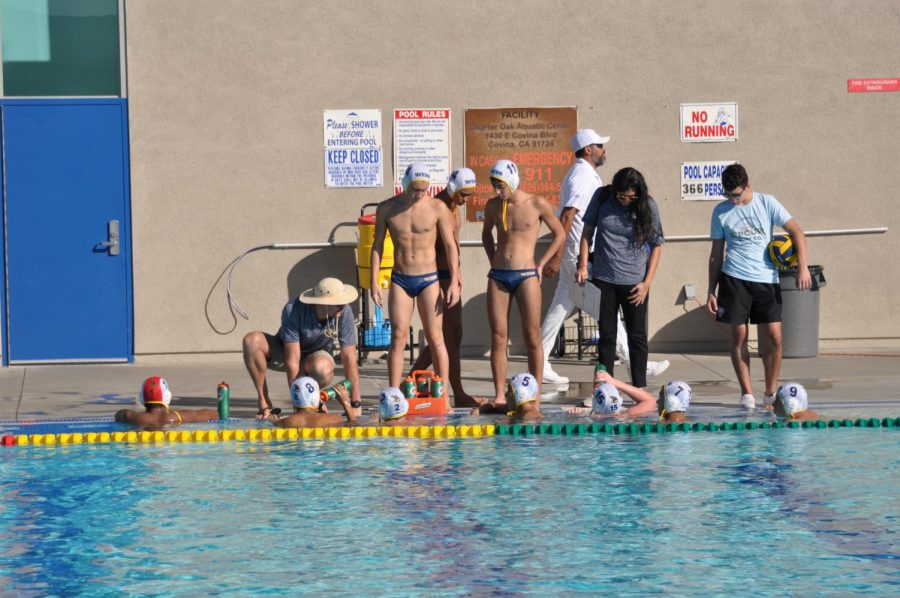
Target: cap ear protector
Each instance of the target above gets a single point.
(305, 393)
(392, 404)
(464, 178)
(414, 173)
(674, 397)
(607, 399)
(524, 389)
(506, 171)
(155, 391)
(793, 397)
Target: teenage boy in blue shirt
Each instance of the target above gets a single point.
(746, 278)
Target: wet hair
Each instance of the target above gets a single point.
(630, 179)
(734, 176)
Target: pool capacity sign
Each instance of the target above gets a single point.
(703, 123)
(536, 139)
(702, 180)
(422, 136)
(353, 153)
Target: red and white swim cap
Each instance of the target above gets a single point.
(155, 391)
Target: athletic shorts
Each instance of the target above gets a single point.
(742, 300)
(276, 360)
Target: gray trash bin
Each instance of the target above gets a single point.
(800, 313)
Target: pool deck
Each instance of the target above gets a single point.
(31, 392)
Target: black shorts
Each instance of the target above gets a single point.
(740, 300)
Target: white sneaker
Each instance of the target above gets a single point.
(551, 377)
(748, 402)
(655, 368)
(768, 400)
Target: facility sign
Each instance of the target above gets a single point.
(422, 136)
(537, 140)
(867, 85)
(709, 122)
(702, 180)
(353, 151)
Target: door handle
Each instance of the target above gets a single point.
(112, 242)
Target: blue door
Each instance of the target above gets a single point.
(68, 255)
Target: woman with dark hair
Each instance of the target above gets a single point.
(627, 248)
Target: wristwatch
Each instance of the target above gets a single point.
(355, 404)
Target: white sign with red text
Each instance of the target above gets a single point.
(704, 123)
(422, 136)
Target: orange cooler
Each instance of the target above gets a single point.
(423, 403)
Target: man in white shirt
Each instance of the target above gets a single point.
(577, 190)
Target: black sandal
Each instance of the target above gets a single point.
(272, 411)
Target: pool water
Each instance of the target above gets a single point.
(788, 511)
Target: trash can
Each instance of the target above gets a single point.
(800, 313)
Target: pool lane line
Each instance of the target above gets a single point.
(449, 431)
(658, 427)
(249, 435)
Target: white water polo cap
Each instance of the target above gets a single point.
(464, 178)
(392, 404)
(155, 391)
(524, 388)
(305, 393)
(506, 171)
(416, 172)
(793, 397)
(607, 399)
(674, 396)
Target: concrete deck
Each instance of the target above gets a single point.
(61, 391)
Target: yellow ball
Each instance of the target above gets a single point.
(781, 252)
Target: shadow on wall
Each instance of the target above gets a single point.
(476, 330)
(339, 262)
(694, 331)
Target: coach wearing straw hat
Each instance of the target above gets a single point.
(303, 345)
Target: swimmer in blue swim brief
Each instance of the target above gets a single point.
(460, 188)
(414, 284)
(414, 221)
(517, 216)
(511, 279)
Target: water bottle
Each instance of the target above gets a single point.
(329, 393)
(423, 383)
(224, 395)
(599, 368)
(408, 388)
(437, 387)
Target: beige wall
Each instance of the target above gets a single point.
(226, 100)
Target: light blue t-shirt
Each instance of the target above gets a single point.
(747, 231)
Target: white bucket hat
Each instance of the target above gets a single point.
(330, 291)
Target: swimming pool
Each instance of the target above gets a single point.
(781, 511)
